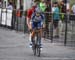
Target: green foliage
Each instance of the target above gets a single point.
(72, 2)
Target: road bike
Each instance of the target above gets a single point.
(36, 43)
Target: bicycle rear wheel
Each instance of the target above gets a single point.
(38, 50)
(34, 47)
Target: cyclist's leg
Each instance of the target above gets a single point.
(29, 24)
(40, 32)
(33, 32)
(40, 35)
(32, 35)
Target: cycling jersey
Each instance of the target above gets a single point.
(37, 21)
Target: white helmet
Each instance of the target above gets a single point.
(37, 10)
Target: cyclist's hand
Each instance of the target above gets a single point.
(29, 26)
(30, 29)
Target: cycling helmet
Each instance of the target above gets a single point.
(37, 10)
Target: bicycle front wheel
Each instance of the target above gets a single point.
(34, 50)
(38, 51)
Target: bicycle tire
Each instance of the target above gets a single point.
(38, 46)
(38, 51)
(34, 48)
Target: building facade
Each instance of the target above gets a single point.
(25, 3)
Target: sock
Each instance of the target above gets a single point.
(30, 37)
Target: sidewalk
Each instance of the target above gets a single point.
(15, 46)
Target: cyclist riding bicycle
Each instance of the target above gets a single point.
(29, 14)
(37, 20)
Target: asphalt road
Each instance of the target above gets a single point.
(15, 46)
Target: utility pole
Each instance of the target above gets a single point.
(67, 15)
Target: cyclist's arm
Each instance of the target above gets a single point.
(28, 18)
(28, 21)
(32, 17)
(43, 21)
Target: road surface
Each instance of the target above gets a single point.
(15, 46)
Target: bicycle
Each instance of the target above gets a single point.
(36, 43)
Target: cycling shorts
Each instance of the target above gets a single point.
(36, 24)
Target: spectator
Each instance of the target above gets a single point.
(42, 5)
(62, 9)
(29, 14)
(47, 15)
(53, 8)
(56, 18)
(21, 10)
(14, 17)
(32, 2)
(10, 6)
(73, 9)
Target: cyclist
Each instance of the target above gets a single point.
(29, 14)
(37, 21)
(42, 5)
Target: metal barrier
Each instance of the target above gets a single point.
(20, 22)
(11, 19)
(6, 17)
(66, 28)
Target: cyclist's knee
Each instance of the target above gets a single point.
(33, 34)
(40, 32)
